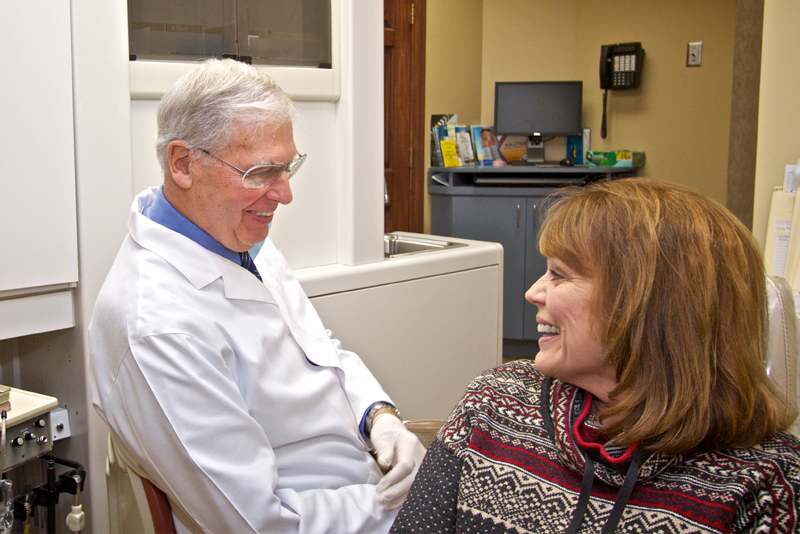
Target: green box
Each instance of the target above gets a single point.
(618, 158)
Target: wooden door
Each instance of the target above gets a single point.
(404, 112)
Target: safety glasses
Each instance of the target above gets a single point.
(262, 176)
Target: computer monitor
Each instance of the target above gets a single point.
(538, 109)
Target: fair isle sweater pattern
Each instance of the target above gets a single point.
(508, 460)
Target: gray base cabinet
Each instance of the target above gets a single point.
(513, 222)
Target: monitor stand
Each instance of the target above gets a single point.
(535, 153)
(535, 149)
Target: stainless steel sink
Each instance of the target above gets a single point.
(400, 245)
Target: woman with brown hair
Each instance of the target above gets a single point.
(648, 407)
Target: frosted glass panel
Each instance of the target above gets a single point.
(264, 32)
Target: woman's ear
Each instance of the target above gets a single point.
(178, 159)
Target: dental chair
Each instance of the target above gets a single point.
(782, 348)
(135, 504)
(138, 505)
(425, 429)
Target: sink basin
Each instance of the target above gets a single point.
(400, 245)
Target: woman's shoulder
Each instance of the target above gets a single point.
(518, 377)
(509, 391)
(763, 481)
(782, 448)
(774, 460)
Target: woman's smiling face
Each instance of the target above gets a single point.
(570, 349)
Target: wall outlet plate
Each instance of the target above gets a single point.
(694, 54)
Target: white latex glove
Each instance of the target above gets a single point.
(400, 450)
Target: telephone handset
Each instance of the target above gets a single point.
(620, 68)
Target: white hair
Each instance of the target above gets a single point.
(203, 105)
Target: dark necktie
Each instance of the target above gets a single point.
(247, 263)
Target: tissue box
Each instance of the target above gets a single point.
(619, 158)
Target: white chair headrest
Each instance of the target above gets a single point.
(782, 344)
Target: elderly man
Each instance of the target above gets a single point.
(217, 378)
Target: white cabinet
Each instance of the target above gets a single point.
(39, 260)
(425, 325)
(424, 340)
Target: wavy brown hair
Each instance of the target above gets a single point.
(681, 309)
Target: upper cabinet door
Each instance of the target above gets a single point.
(38, 230)
(263, 32)
(295, 41)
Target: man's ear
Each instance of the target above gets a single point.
(178, 159)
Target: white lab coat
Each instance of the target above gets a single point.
(228, 393)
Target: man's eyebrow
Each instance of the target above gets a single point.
(268, 162)
(276, 163)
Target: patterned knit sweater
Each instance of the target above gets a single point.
(513, 454)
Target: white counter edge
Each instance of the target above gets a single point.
(329, 279)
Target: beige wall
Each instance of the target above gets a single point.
(779, 105)
(680, 116)
(452, 65)
(453, 60)
(526, 40)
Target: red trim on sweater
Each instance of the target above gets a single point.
(576, 430)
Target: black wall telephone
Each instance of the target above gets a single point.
(620, 68)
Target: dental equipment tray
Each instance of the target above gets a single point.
(28, 432)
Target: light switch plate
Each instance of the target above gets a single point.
(694, 54)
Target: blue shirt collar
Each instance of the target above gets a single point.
(165, 214)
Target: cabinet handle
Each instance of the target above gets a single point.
(517, 215)
(534, 215)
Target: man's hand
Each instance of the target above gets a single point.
(401, 451)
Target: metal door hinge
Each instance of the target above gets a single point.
(410, 157)
(412, 14)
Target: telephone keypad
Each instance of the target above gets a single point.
(624, 70)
